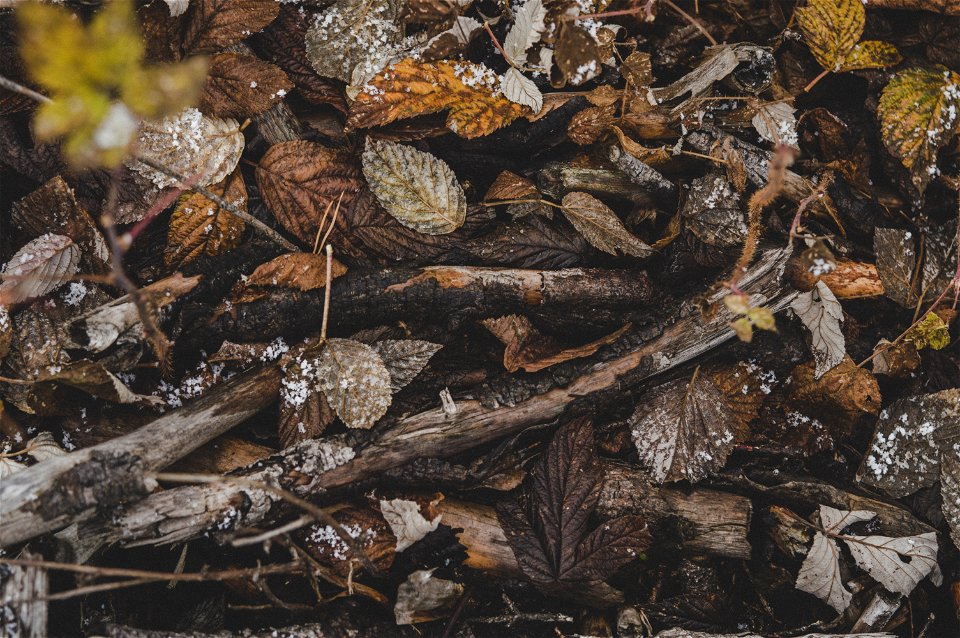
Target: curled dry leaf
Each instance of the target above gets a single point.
(406, 521)
(470, 92)
(919, 114)
(41, 266)
(822, 314)
(200, 226)
(418, 189)
(300, 180)
(687, 428)
(832, 29)
(302, 271)
(212, 25)
(354, 37)
(404, 359)
(43, 447)
(199, 148)
(90, 377)
(239, 85)
(600, 226)
(422, 597)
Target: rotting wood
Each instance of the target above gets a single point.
(22, 607)
(848, 280)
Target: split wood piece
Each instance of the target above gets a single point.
(71, 488)
(22, 593)
(99, 329)
(878, 612)
(756, 160)
(849, 280)
(556, 180)
(365, 298)
(186, 512)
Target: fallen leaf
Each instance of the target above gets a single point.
(950, 493)
(41, 266)
(899, 564)
(577, 54)
(200, 226)
(931, 332)
(470, 92)
(714, 220)
(822, 314)
(896, 360)
(367, 529)
(354, 35)
(239, 85)
(520, 89)
(199, 148)
(820, 573)
(600, 226)
(419, 190)
(687, 428)
(776, 123)
(896, 259)
(43, 447)
(421, 598)
(832, 30)
(533, 243)
(212, 25)
(838, 399)
(94, 379)
(527, 28)
(303, 421)
(406, 521)
(509, 185)
(354, 380)
(404, 359)
(590, 124)
(301, 271)
(918, 112)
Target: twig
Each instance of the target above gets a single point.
(326, 295)
(272, 533)
(689, 18)
(10, 85)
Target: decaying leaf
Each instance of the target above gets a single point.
(354, 38)
(897, 360)
(300, 180)
(194, 146)
(600, 226)
(309, 419)
(713, 216)
(832, 30)
(94, 379)
(407, 521)
(404, 359)
(302, 271)
(239, 85)
(930, 332)
(418, 189)
(470, 92)
(914, 437)
(919, 113)
(527, 28)
(42, 447)
(896, 259)
(41, 266)
(212, 25)
(820, 573)
(950, 493)
(590, 124)
(687, 428)
(577, 53)
(509, 185)
(354, 380)
(526, 348)
(367, 529)
(822, 314)
(776, 123)
(422, 597)
(200, 226)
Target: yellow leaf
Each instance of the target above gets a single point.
(470, 92)
(832, 29)
(919, 111)
(931, 332)
(743, 329)
(200, 226)
(762, 318)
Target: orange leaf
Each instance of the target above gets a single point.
(303, 271)
(199, 226)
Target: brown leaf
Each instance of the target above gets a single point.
(469, 92)
(366, 526)
(199, 226)
(532, 243)
(509, 185)
(528, 349)
(687, 428)
(404, 359)
(302, 271)
(90, 377)
(299, 180)
(576, 54)
(212, 25)
(239, 85)
(600, 226)
(307, 420)
(590, 124)
(38, 268)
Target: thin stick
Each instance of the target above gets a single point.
(267, 535)
(124, 572)
(814, 81)
(689, 18)
(496, 43)
(326, 294)
(10, 85)
(333, 221)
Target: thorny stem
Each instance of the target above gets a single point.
(318, 513)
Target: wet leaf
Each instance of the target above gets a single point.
(509, 185)
(212, 25)
(919, 113)
(404, 359)
(41, 266)
(822, 314)
(301, 421)
(199, 148)
(470, 92)
(533, 243)
(407, 521)
(688, 427)
(301, 271)
(354, 38)
(199, 226)
(832, 30)
(590, 124)
(600, 226)
(577, 54)
(896, 259)
(418, 189)
(355, 382)
(239, 85)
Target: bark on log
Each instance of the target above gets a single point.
(849, 280)
(22, 608)
(66, 489)
(365, 298)
(312, 467)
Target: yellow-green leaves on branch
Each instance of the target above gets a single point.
(418, 189)
(85, 69)
(832, 30)
(919, 114)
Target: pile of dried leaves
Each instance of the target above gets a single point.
(479, 318)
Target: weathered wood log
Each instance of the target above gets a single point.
(849, 280)
(365, 298)
(340, 628)
(65, 489)
(22, 605)
(313, 467)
